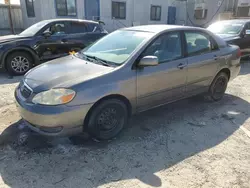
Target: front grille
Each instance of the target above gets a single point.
(25, 91)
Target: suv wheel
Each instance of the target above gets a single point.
(18, 63)
(108, 119)
(218, 87)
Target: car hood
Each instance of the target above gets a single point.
(63, 72)
(9, 38)
(228, 37)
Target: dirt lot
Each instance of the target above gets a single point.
(190, 143)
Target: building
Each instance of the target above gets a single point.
(204, 12)
(243, 8)
(36, 10)
(115, 13)
(122, 13)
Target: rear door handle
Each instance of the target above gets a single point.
(181, 66)
(215, 57)
(64, 40)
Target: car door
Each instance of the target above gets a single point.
(203, 60)
(50, 44)
(165, 82)
(244, 41)
(95, 32)
(74, 40)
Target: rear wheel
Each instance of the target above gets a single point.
(218, 87)
(108, 119)
(18, 63)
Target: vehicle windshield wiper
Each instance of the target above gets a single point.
(86, 57)
(97, 60)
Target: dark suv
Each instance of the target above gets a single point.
(236, 32)
(46, 40)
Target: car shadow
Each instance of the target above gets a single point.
(245, 68)
(154, 141)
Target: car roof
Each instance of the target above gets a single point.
(68, 19)
(160, 28)
(156, 29)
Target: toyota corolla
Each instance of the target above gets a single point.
(128, 71)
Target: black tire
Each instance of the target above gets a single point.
(218, 87)
(107, 119)
(12, 62)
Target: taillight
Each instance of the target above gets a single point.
(238, 53)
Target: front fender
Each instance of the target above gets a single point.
(90, 95)
(20, 48)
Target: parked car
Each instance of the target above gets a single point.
(235, 32)
(46, 40)
(126, 72)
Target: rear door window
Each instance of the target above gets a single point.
(77, 27)
(198, 43)
(96, 28)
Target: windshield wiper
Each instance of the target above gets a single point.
(101, 61)
(97, 60)
(86, 57)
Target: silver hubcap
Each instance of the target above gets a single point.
(20, 64)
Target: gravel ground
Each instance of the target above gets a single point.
(189, 143)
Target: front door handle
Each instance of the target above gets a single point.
(181, 66)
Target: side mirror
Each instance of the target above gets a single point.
(47, 34)
(148, 61)
(247, 32)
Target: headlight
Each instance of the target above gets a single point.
(54, 97)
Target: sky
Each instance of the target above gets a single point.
(11, 1)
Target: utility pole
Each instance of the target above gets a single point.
(7, 2)
(186, 12)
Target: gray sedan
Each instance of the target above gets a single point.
(128, 71)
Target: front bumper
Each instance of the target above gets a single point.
(61, 120)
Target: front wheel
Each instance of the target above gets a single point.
(108, 119)
(18, 63)
(218, 87)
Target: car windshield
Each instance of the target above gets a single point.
(116, 47)
(230, 28)
(32, 30)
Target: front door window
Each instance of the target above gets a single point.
(166, 48)
(57, 29)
